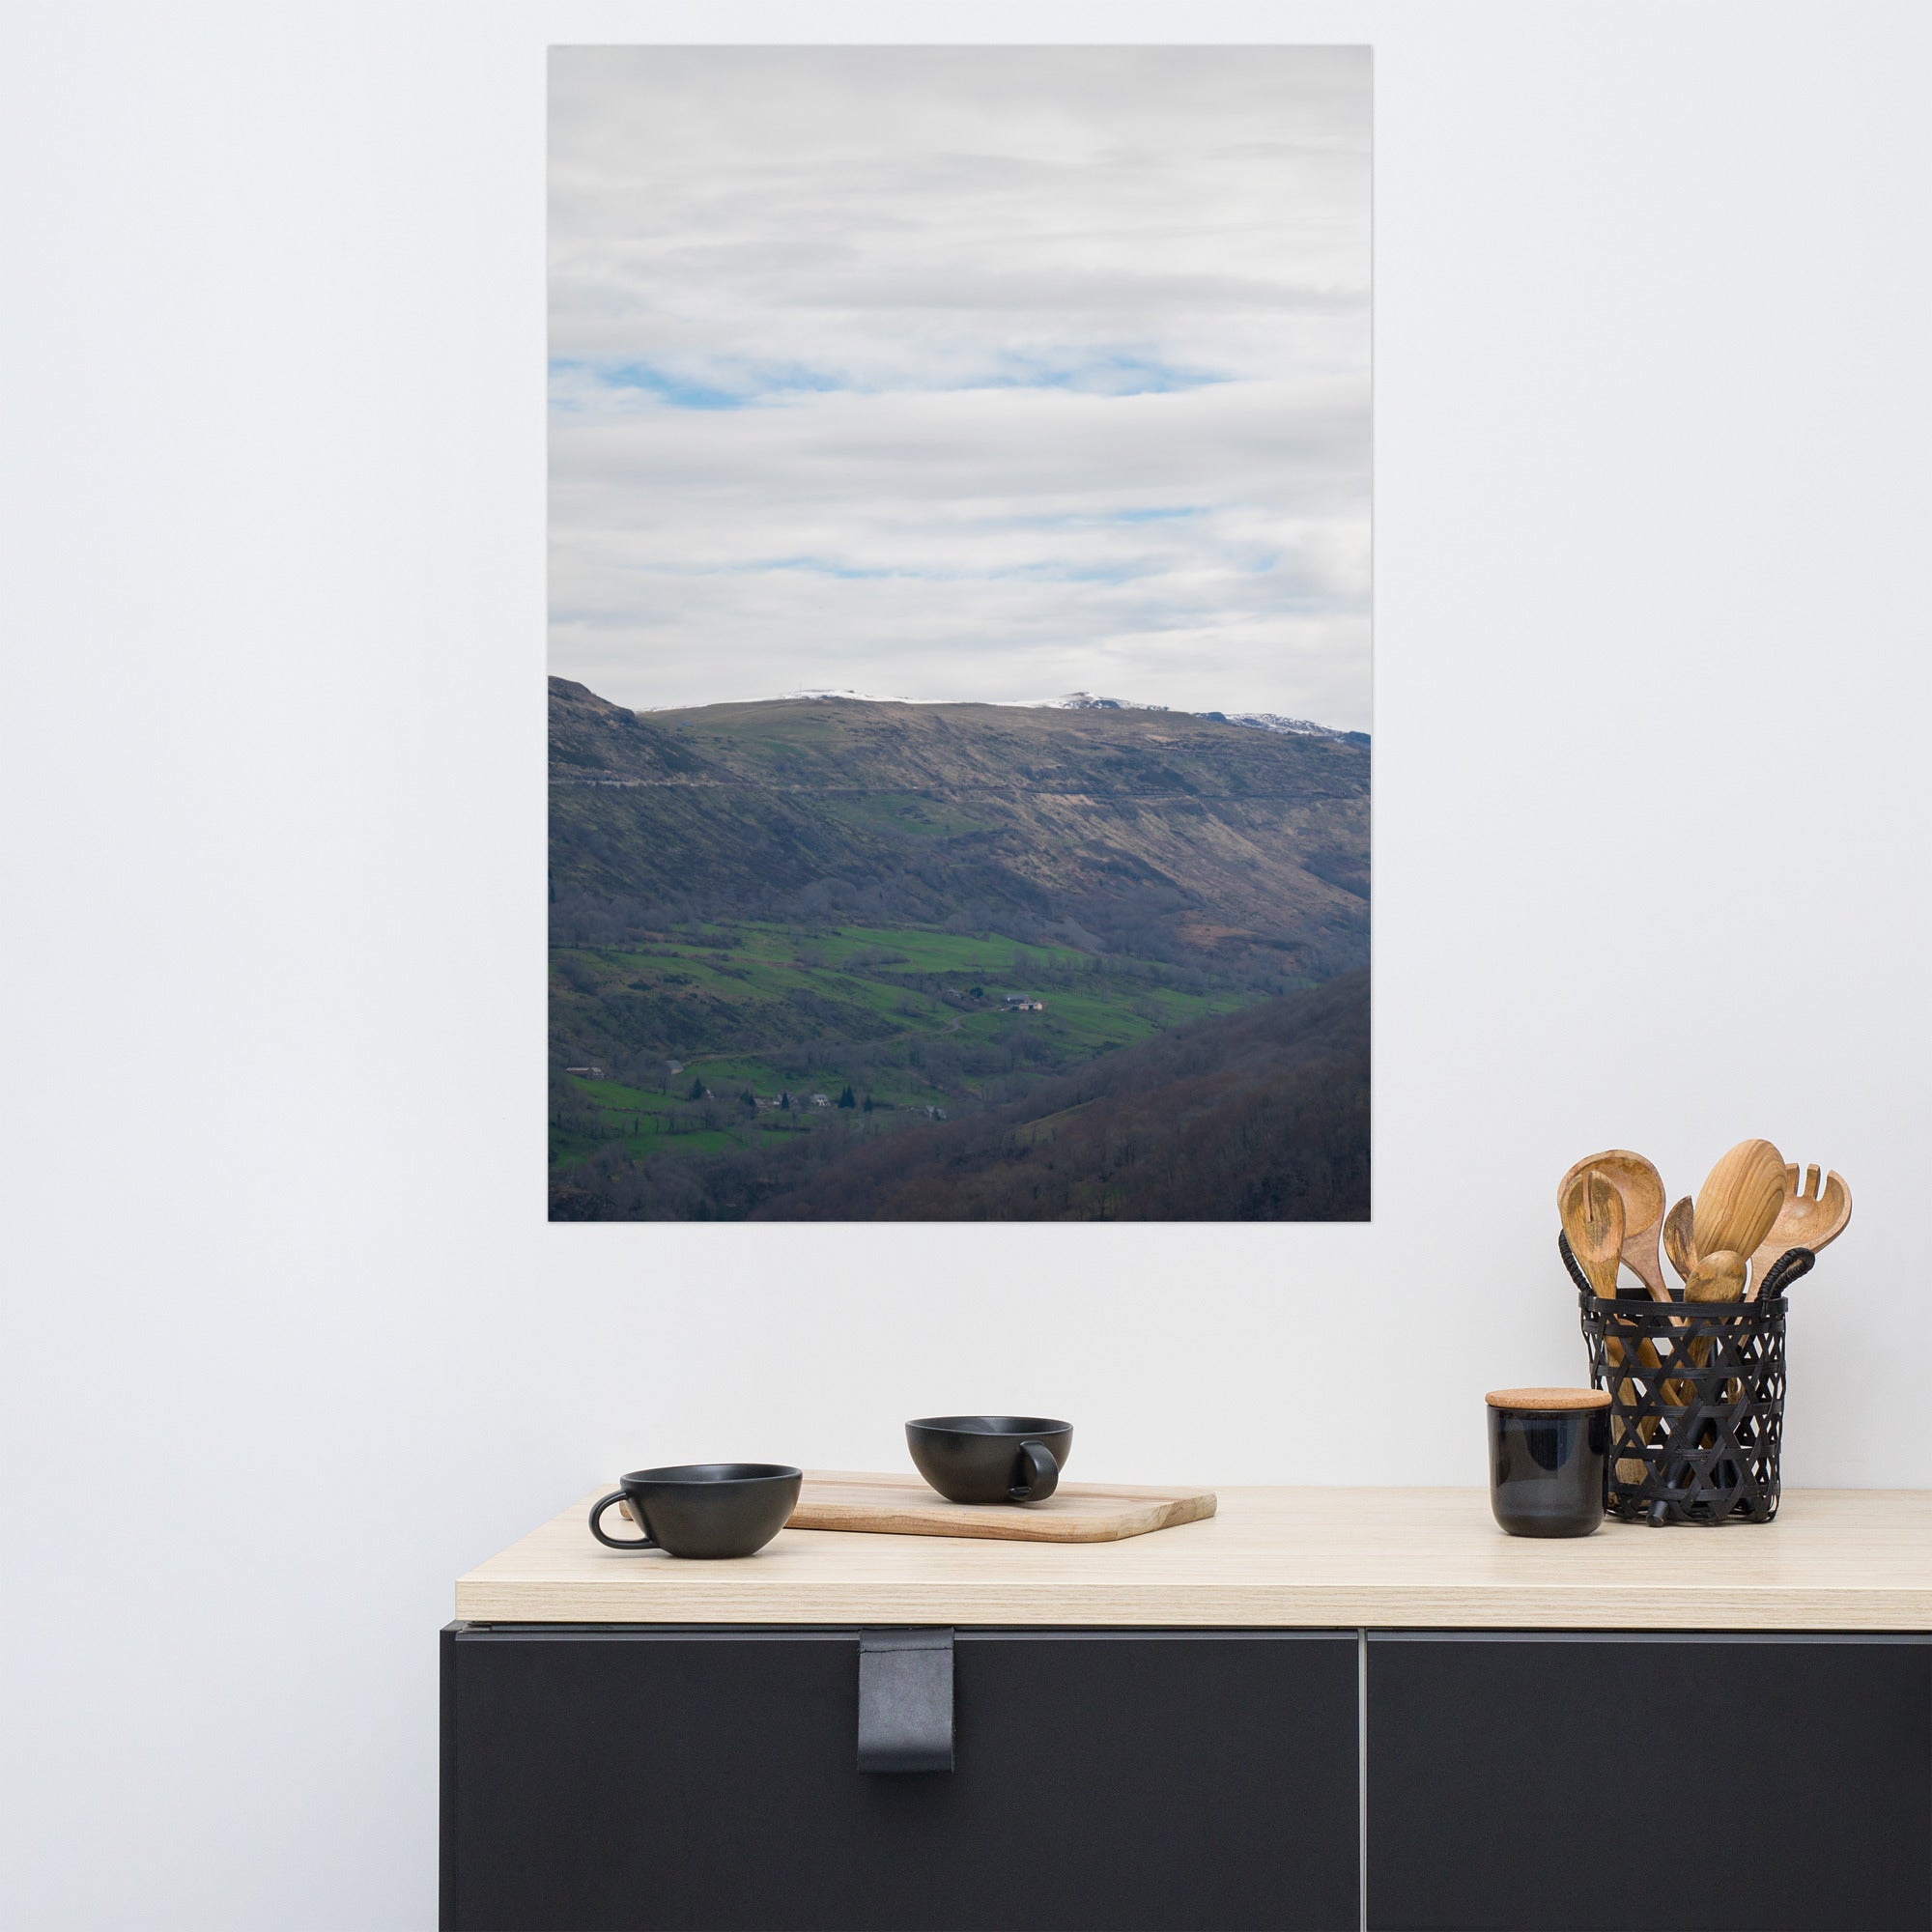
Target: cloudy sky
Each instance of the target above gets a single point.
(962, 372)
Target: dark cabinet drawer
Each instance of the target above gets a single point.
(1693, 1783)
(602, 1778)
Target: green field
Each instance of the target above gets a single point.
(910, 1017)
(904, 814)
(798, 897)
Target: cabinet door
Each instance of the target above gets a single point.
(602, 1778)
(1579, 1782)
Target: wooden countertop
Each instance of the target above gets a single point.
(1834, 1559)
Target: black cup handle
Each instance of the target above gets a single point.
(1042, 1477)
(597, 1510)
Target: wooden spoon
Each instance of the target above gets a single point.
(1641, 1187)
(1739, 1200)
(1593, 1219)
(1680, 1244)
(1717, 1277)
(1679, 1241)
(1808, 1217)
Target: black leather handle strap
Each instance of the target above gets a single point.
(1791, 1265)
(1570, 1262)
(905, 1700)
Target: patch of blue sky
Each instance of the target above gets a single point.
(806, 566)
(725, 388)
(1099, 519)
(1103, 375)
(747, 386)
(1044, 570)
(823, 566)
(1115, 571)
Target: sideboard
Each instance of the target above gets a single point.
(1323, 1709)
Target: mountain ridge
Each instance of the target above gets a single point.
(1153, 826)
(1072, 700)
(1057, 962)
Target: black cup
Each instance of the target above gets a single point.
(1548, 1459)
(703, 1509)
(990, 1459)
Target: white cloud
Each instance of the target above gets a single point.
(965, 373)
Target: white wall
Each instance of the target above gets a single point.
(289, 1343)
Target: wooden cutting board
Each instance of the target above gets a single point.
(1075, 1513)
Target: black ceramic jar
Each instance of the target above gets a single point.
(1549, 1459)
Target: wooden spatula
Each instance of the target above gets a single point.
(1739, 1200)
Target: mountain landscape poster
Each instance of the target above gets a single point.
(960, 632)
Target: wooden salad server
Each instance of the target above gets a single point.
(1641, 1187)
(1736, 1206)
(1809, 1216)
(1739, 1200)
(1592, 1211)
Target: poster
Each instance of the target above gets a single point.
(960, 632)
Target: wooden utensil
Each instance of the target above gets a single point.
(1739, 1200)
(1680, 1244)
(1680, 1241)
(1593, 1219)
(1717, 1277)
(1641, 1189)
(1809, 1216)
(1592, 1210)
(1736, 1206)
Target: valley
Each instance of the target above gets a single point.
(798, 943)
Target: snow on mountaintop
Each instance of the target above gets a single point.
(1082, 700)
(1259, 720)
(1273, 721)
(1085, 701)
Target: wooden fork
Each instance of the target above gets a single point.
(1809, 1216)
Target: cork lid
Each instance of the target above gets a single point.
(1548, 1401)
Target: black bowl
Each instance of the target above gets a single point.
(703, 1509)
(990, 1459)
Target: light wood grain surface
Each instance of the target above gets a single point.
(1844, 1559)
(898, 1505)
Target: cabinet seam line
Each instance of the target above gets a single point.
(1362, 1777)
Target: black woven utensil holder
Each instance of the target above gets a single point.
(1697, 1399)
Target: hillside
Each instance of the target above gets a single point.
(1255, 1115)
(819, 958)
(1156, 832)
